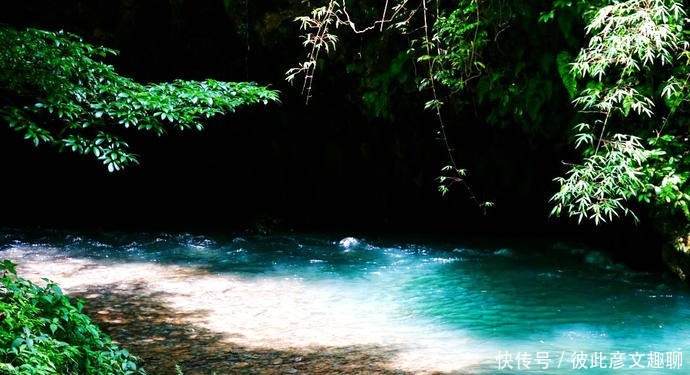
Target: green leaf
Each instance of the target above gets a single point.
(563, 60)
(8, 266)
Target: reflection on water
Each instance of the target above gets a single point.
(445, 307)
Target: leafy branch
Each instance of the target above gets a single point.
(318, 35)
(55, 89)
(626, 39)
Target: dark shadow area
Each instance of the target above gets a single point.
(332, 165)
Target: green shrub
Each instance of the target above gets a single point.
(43, 332)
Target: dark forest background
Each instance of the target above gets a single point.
(339, 164)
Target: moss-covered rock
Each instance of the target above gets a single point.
(676, 255)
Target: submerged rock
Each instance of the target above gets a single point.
(504, 252)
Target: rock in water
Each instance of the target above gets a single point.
(348, 242)
(503, 252)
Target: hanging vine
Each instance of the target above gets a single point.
(451, 54)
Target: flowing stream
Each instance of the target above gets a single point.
(519, 308)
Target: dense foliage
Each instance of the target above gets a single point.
(632, 88)
(55, 89)
(627, 82)
(505, 74)
(43, 332)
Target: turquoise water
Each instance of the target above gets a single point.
(538, 308)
